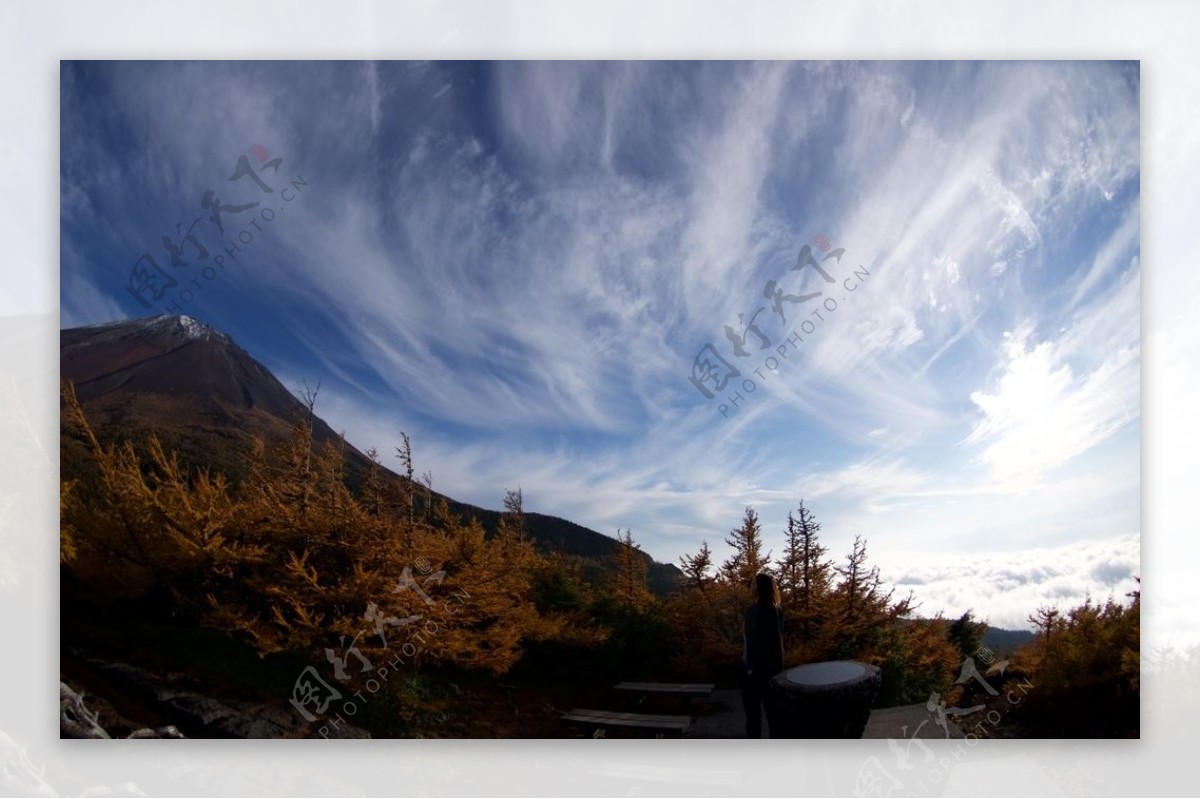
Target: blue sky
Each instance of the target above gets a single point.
(519, 262)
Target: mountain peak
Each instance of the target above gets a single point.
(186, 326)
(178, 328)
(163, 355)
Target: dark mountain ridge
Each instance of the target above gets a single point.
(206, 398)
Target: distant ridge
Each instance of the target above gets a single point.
(1004, 641)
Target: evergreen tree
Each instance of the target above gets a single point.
(299, 458)
(706, 614)
(859, 583)
(372, 495)
(966, 634)
(632, 588)
(512, 522)
(696, 567)
(789, 568)
(805, 576)
(863, 610)
(404, 453)
(748, 559)
(804, 573)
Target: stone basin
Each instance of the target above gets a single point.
(831, 699)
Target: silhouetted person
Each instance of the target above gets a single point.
(762, 652)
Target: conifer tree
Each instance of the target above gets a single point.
(404, 453)
(804, 573)
(858, 581)
(789, 566)
(631, 577)
(862, 609)
(966, 634)
(805, 576)
(372, 494)
(512, 522)
(748, 559)
(696, 567)
(299, 457)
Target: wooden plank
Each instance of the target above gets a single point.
(658, 728)
(593, 721)
(696, 689)
(619, 715)
(609, 718)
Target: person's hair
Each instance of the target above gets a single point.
(767, 590)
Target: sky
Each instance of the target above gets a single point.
(931, 271)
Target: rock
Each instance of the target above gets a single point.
(75, 720)
(186, 702)
(250, 727)
(260, 722)
(201, 708)
(126, 673)
(168, 731)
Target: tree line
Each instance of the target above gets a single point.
(833, 609)
(291, 560)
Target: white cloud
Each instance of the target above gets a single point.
(1004, 589)
(1044, 410)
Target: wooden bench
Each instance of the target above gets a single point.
(645, 721)
(703, 690)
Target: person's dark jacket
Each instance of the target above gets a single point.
(763, 652)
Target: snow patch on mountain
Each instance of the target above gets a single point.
(186, 326)
(193, 328)
(181, 328)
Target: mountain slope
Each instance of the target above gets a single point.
(173, 375)
(207, 399)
